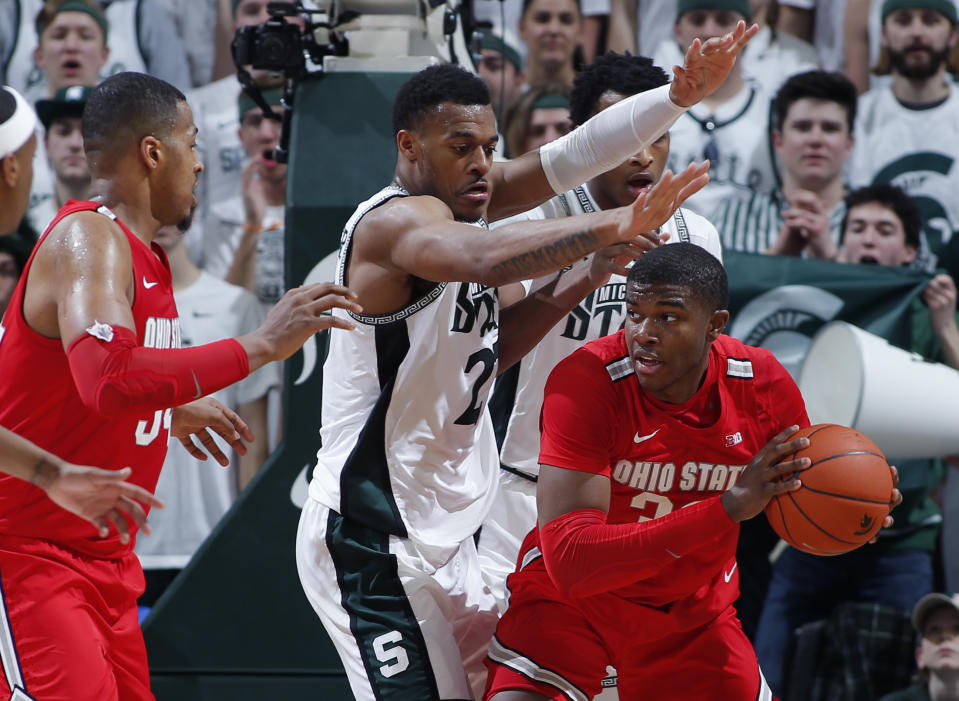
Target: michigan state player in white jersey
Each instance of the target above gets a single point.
(907, 133)
(408, 466)
(518, 395)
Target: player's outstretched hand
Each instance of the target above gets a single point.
(615, 259)
(298, 315)
(102, 497)
(707, 65)
(760, 481)
(653, 207)
(198, 418)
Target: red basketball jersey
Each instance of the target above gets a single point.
(38, 400)
(662, 457)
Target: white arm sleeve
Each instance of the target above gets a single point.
(608, 139)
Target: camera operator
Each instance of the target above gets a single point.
(218, 140)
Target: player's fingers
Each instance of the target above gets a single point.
(327, 321)
(322, 289)
(896, 498)
(133, 491)
(191, 447)
(327, 302)
(102, 526)
(787, 467)
(212, 448)
(239, 425)
(120, 523)
(134, 511)
(895, 475)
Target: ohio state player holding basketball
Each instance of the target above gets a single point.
(656, 442)
(90, 361)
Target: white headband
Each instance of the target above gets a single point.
(15, 132)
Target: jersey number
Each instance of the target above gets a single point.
(488, 357)
(660, 504)
(145, 436)
(395, 657)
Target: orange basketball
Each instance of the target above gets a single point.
(844, 496)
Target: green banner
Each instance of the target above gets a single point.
(780, 303)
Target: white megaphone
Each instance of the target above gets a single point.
(908, 406)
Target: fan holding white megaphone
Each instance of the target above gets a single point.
(909, 407)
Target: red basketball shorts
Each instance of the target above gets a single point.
(68, 625)
(560, 650)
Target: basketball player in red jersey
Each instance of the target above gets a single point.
(656, 442)
(91, 364)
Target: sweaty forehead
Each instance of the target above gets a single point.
(658, 292)
(450, 118)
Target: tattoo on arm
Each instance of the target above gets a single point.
(43, 473)
(549, 257)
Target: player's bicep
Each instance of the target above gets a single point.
(418, 236)
(560, 490)
(92, 276)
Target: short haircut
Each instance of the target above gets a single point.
(891, 197)
(124, 108)
(622, 73)
(527, 3)
(430, 88)
(816, 85)
(687, 265)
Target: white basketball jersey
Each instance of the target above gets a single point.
(519, 391)
(916, 150)
(197, 494)
(408, 445)
(735, 138)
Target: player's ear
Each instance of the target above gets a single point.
(9, 170)
(150, 151)
(406, 145)
(717, 322)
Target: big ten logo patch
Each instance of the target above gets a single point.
(602, 312)
(476, 308)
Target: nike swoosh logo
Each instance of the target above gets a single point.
(639, 439)
(148, 285)
(199, 392)
(729, 575)
(202, 315)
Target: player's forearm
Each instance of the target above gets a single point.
(601, 143)
(526, 250)
(29, 462)
(113, 375)
(524, 324)
(609, 138)
(586, 556)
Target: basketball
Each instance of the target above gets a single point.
(844, 496)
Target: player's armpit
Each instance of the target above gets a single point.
(586, 556)
(113, 375)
